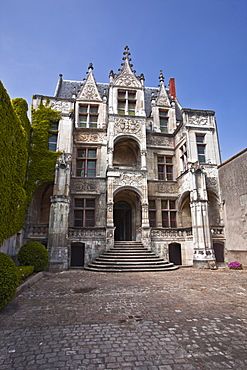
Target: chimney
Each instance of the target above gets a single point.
(172, 87)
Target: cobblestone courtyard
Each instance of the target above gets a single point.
(183, 319)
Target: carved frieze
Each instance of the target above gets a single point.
(155, 140)
(198, 119)
(99, 233)
(84, 185)
(87, 137)
(128, 126)
(163, 187)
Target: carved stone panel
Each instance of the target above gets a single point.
(89, 90)
(60, 105)
(163, 187)
(158, 140)
(86, 137)
(128, 126)
(135, 180)
(87, 186)
(212, 183)
(198, 119)
(128, 79)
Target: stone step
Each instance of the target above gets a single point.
(129, 256)
(129, 263)
(118, 269)
(129, 253)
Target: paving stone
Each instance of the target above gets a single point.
(184, 319)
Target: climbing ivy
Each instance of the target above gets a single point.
(26, 162)
(41, 160)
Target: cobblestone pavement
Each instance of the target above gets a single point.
(183, 319)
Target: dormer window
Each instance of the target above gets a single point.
(88, 115)
(163, 115)
(126, 102)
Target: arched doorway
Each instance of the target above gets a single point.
(77, 255)
(175, 253)
(127, 214)
(123, 221)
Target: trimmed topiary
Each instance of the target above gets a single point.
(34, 254)
(8, 279)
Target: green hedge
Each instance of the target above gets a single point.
(8, 279)
(34, 254)
(23, 272)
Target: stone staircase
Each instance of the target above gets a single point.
(129, 256)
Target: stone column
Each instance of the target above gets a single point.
(59, 216)
(110, 222)
(203, 250)
(143, 159)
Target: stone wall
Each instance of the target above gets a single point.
(233, 185)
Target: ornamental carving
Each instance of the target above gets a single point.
(60, 105)
(127, 79)
(130, 179)
(163, 98)
(198, 119)
(211, 182)
(90, 138)
(100, 233)
(127, 125)
(165, 187)
(90, 91)
(84, 186)
(156, 140)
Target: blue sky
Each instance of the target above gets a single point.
(201, 43)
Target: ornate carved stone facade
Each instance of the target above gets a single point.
(136, 166)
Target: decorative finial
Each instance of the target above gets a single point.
(126, 53)
(161, 77)
(90, 67)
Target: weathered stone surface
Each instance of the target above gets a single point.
(184, 319)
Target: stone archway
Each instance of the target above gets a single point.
(126, 215)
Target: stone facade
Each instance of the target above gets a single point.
(233, 185)
(135, 166)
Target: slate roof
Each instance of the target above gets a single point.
(65, 89)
